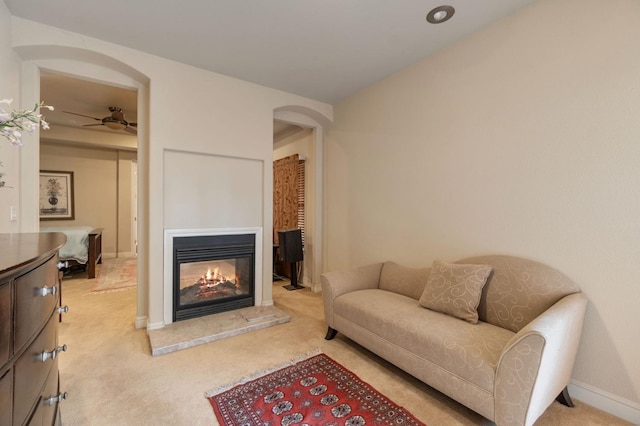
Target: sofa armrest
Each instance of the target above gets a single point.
(340, 282)
(536, 364)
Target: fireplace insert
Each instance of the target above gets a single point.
(212, 274)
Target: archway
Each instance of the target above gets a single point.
(306, 117)
(90, 65)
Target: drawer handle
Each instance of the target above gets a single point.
(62, 310)
(52, 355)
(62, 265)
(54, 399)
(44, 291)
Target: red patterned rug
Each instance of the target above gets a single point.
(313, 391)
(116, 274)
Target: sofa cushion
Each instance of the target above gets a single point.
(455, 289)
(466, 350)
(519, 290)
(403, 280)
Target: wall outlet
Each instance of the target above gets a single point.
(13, 213)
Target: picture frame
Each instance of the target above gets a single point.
(56, 195)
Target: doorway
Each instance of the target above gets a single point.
(101, 156)
(297, 134)
(134, 207)
(104, 162)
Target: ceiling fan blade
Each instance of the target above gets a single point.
(82, 115)
(133, 124)
(131, 130)
(89, 125)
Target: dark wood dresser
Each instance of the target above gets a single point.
(29, 308)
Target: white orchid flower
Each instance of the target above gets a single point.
(4, 116)
(13, 135)
(14, 123)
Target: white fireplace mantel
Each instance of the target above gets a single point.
(170, 234)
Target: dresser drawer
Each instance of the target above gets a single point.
(33, 372)
(45, 413)
(5, 398)
(50, 398)
(5, 323)
(32, 308)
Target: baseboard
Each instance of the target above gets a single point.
(121, 254)
(316, 288)
(140, 322)
(605, 401)
(155, 325)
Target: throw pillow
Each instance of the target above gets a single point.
(403, 280)
(455, 289)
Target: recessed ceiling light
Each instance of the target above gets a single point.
(440, 14)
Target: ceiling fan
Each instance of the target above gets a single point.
(115, 121)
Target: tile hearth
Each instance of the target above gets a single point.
(197, 331)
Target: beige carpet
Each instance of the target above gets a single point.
(112, 379)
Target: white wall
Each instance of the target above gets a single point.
(182, 109)
(224, 192)
(9, 155)
(522, 139)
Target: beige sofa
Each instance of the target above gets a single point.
(509, 366)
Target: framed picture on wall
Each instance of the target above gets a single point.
(56, 195)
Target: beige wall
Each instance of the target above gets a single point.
(302, 143)
(9, 155)
(102, 188)
(522, 139)
(222, 192)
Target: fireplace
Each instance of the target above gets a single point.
(213, 274)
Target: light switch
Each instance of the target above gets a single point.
(13, 213)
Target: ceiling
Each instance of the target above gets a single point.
(325, 50)
(68, 94)
(86, 98)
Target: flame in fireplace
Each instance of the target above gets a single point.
(213, 282)
(214, 278)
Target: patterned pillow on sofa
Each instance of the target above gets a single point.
(455, 289)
